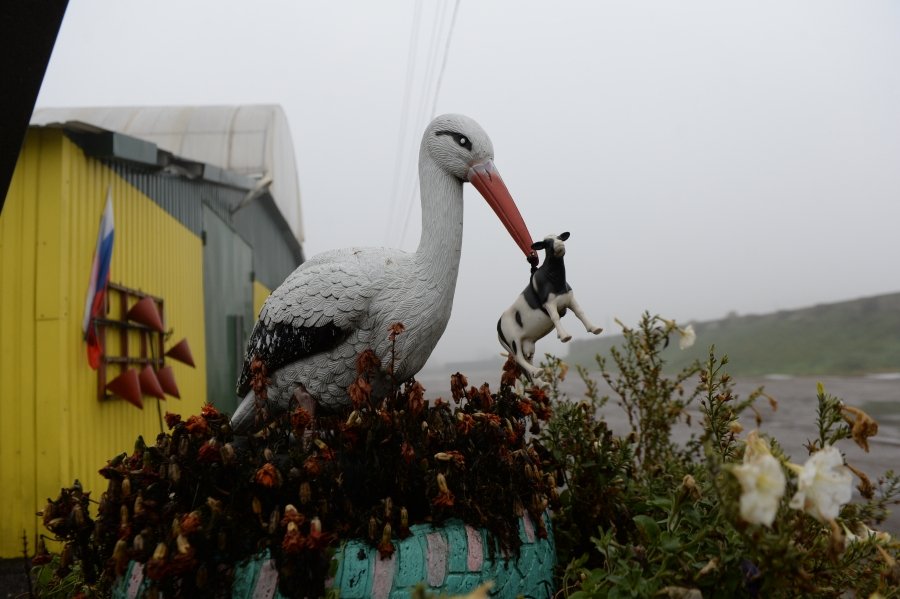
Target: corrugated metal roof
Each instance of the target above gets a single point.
(252, 140)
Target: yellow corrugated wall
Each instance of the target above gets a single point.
(260, 294)
(53, 428)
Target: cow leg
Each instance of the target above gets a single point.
(563, 335)
(579, 313)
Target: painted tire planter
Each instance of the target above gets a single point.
(451, 559)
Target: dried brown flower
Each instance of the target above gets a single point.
(268, 476)
(483, 398)
(444, 497)
(464, 424)
(197, 425)
(511, 372)
(300, 419)
(291, 514)
(458, 384)
(312, 466)
(209, 411)
(293, 541)
(172, 419)
(407, 452)
(209, 453)
(385, 547)
(862, 426)
(367, 362)
(190, 523)
(416, 398)
(360, 391)
(259, 379)
(395, 330)
(316, 539)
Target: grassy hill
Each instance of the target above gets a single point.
(853, 337)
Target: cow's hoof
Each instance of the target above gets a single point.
(565, 338)
(597, 330)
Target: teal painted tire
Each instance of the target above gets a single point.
(450, 559)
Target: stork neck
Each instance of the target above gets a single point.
(442, 220)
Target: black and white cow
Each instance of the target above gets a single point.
(539, 308)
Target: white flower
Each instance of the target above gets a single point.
(762, 482)
(688, 336)
(824, 484)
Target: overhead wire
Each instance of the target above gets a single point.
(404, 109)
(437, 91)
(410, 180)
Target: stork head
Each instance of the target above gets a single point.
(461, 148)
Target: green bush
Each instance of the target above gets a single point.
(722, 515)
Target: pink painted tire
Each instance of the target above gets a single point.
(451, 559)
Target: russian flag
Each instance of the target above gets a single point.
(96, 293)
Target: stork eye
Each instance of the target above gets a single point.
(461, 139)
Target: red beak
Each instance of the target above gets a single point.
(485, 178)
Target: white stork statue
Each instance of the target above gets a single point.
(339, 303)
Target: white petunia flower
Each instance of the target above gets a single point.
(824, 484)
(688, 336)
(762, 482)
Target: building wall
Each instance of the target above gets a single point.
(53, 428)
(260, 294)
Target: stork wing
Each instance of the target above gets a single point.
(314, 310)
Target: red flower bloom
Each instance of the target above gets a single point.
(293, 541)
(209, 454)
(386, 547)
(209, 411)
(407, 452)
(444, 497)
(268, 476)
(525, 408)
(312, 466)
(172, 419)
(465, 423)
(197, 425)
(300, 419)
(190, 523)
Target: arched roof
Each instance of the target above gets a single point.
(253, 140)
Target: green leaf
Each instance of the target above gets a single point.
(669, 542)
(648, 527)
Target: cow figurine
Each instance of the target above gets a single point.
(539, 308)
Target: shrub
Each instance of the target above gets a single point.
(724, 514)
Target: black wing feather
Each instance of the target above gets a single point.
(282, 343)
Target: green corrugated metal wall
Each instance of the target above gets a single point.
(228, 285)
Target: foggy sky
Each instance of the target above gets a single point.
(705, 156)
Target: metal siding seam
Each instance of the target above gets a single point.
(17, 427)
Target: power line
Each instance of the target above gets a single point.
(404, 117)
(437, 91)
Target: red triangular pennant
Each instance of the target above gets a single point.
(128, 387)
(150, 384)
(181, 351)
(146, 313)
(167, 381)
